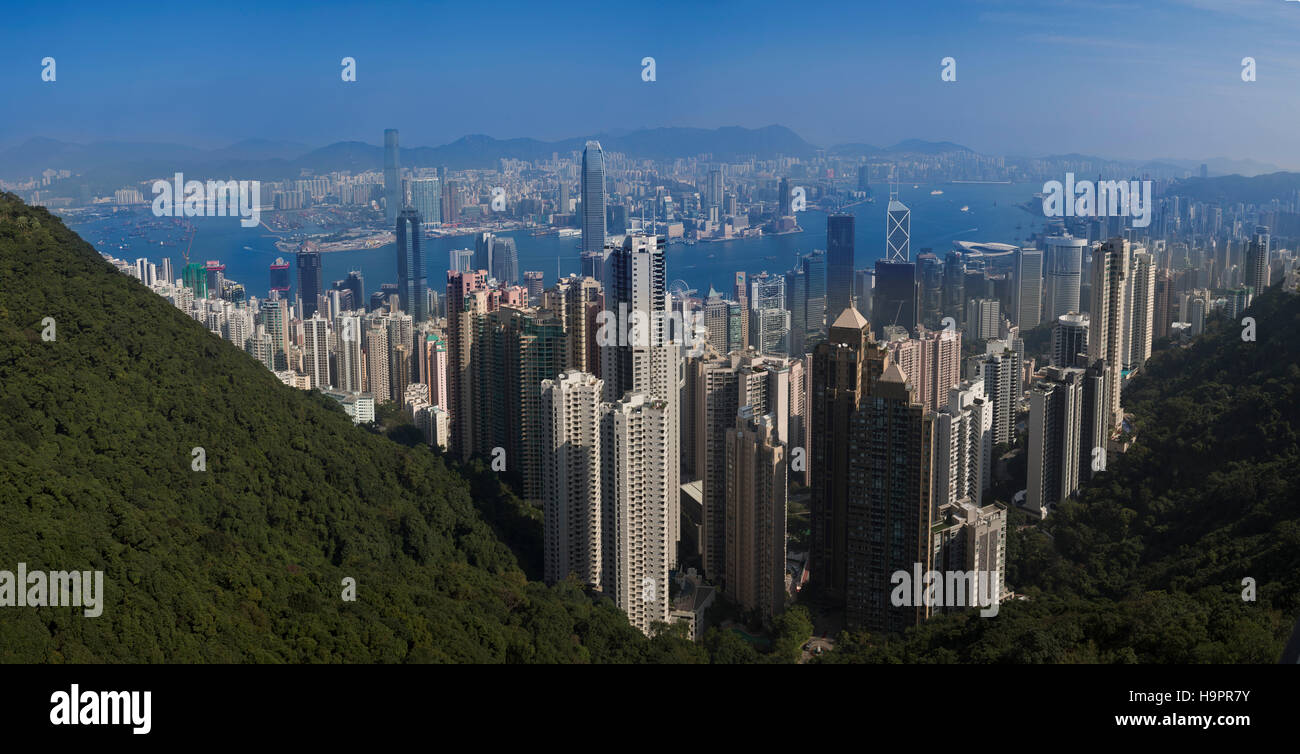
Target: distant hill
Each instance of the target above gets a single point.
(1236, 188)
(108, 165)
(478, 151)
(908, 146)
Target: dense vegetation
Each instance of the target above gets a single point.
(1147, 564)
(243, 562)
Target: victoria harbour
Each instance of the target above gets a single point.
(962, 212)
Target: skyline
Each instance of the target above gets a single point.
(1173, 67)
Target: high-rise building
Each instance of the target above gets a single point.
(1056, 406)
(784, 199)
(310, 281)
(740, 293)
(644, 360)
(512, 351)
(895, 296)
(756, 484)
(954, 289)
(505, 260)
(963, 445)
(1107, 337)
(932, 362)
(983, 318)
(999, 368)
(898, 231)
(1256, 268)
(392, 177)
(573, 513)
(275, 318)
(195, 277)
(1028, 288)
(377, 352)
(484, 252)
(1140, 310)
(929, 272)
(426, 198)
(722, 385)
(316, 352)
(349, 359)
(796, 291)
(972, 538)
(466, 294)
(593, 199)
(714, 190)
(1070, 340)
(576, 301)
(1063, 265)
(769, 323)
(411, 281)
(461, 260)
(872, 455)
(725, 321)
(864, 283)
(839, 265)
(639, 460)
(535, 282)
(434, 369)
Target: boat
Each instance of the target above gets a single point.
(965, 208)
(936, 192)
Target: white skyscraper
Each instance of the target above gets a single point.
(1141, 309)
(1028, 291)
(1063, 265)
(1107, 336)
(640, 460)
(348, 328)
(963, 448)
(999, 368)
(573, 515)
(316, 355)
(593, 199)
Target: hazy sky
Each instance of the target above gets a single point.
(1160, 78)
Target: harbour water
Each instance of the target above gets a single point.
(967, 212)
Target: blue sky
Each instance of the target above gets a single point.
(1153, 79)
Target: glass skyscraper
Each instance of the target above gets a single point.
(310, 281)
(898, 232)
(839, 265)
(392, 177)
(593, 199)
(411, 282)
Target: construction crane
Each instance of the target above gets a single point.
(194, 229)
